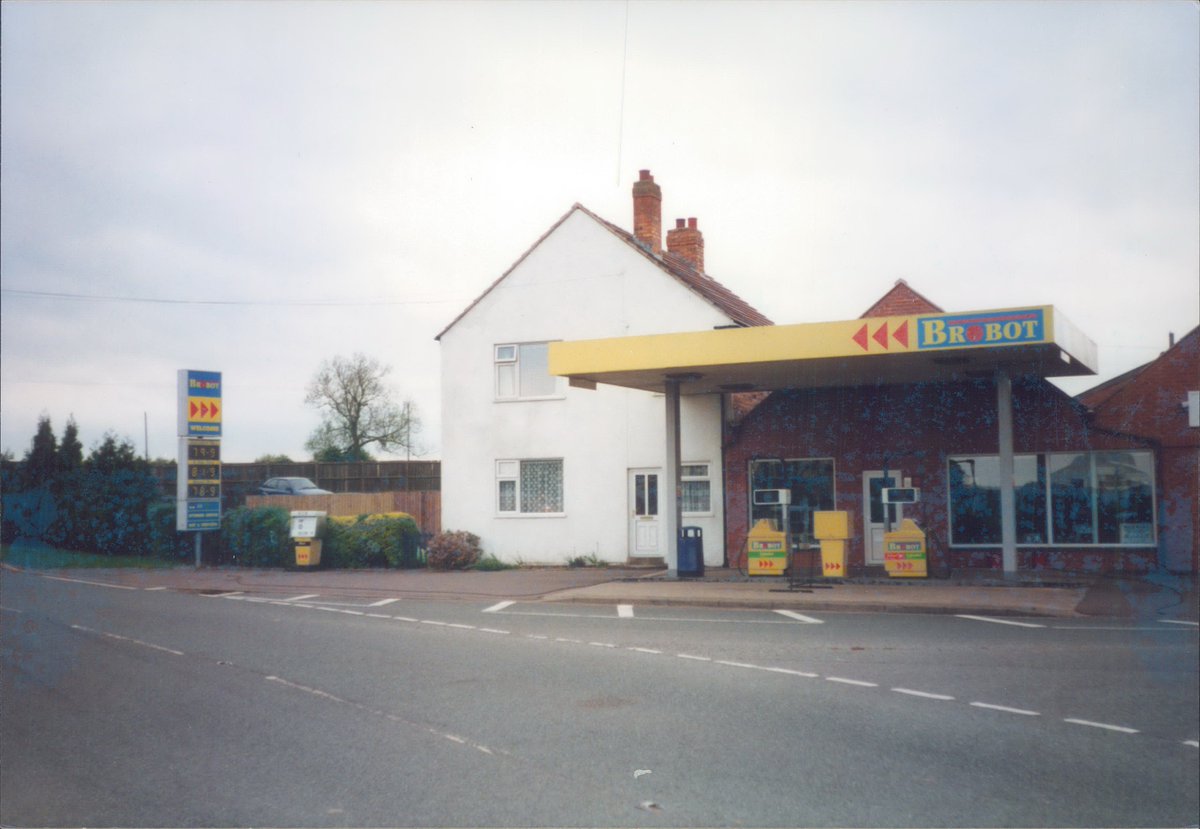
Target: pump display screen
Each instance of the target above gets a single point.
(901, 495)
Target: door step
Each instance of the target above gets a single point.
(647, 561)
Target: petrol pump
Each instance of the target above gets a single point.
(767, 551)
(304, 529)
(905, 554)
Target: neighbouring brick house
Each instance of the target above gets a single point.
(1155, 406)
(1103, 483)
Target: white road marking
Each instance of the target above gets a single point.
(232, 594)
(498, 606)
(644, 650)
(697, 658)
(602, 644)
(1178, 622)
(1106, 726)
(405, 619)
(493, 630)
(314, 691)
(790, 672)
(736, 664)
(378, 616)
(11, 610)
(433, 622)
(93, 583)
(569, 641)
(353, 612)
(460, 626)
(148, 589)
(128, 639)
(845, 681)
(536, 636)
(1192, 743)
(999, 621)
(800, 617)
(1006, 709)
(624, 611)
(302, 598)
(923, 694)
(382, 602)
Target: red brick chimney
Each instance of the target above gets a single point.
(687, 242)
(647, 212)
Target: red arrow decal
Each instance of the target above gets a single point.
(861, 337)
(195, 409)
(900, 335)
(203, 410)
(880, 336)
(213, 409)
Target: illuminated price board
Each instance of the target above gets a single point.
(198, 490)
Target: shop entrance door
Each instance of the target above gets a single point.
(644, 535)
(877, 513)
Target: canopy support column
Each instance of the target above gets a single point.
(1008, 505)
(672, 492)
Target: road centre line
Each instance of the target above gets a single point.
(624, 611)
(1178, 622)
(922, 694)
(1192, 743)
(998, 621)
(697, 658)
(128, 639)
(498, 606)
(799, 617)
(1006, 709)
(382, 602)
(494, 630)
(680, 619)
(302, 598)
(378, 616)
(1106, 726)
(149, 589)
(644, 650)
(857, 682)
(93, 583)
(736, 664)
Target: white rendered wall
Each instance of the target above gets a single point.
(581, 282)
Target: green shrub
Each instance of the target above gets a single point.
(491, 563)
(165, 541)
(454, 550)
(372, 541)
(257, 537)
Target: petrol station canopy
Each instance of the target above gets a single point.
(939, 347)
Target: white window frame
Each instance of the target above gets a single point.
(707, 476)
(509, 354)
(509, 471)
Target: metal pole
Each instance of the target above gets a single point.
(674, 511)
(1008, 506)
(197, 551)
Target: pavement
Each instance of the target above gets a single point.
(1151, 595)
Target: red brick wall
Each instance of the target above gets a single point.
(916, 427)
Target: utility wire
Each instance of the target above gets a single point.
(244, 302)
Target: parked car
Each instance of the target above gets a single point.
(291, 486)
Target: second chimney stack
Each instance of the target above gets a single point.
(687, 242)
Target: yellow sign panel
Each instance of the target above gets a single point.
(904, 551)
(766, 550)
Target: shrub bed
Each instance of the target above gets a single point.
(454, 550)
(384, 540)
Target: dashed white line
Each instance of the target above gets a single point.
(353, 612)
(460, 626)
(625, 611)
(696, 658)
(494, 630)
(128, 639)
(433, 622)
(498, 606)
(800, 617)
(857, 682)
(405, 619)
(231, 594)
(314, 691)
(1006, 709)
(791, 672)
(1105, 726)
(999, 621)
(568, 641)
(150, 589)
(1178, 622)
(93, 583)
(644, 650)
(378, 616)
(382, 602)
(602, 644)
(1192, 743)
(302, 598)
(733, 664)
(922, 694)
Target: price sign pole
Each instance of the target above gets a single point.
(198, 476)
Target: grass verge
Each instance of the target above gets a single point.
(34, 555)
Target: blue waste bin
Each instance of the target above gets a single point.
(691, 552)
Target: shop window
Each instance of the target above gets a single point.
(1070, 498)
(697, 489)
(523, 372)
(809, 480)
(529, 487)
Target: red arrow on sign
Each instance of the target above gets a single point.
(861, 337)
(195, 409)
(213, 409)
(900, 335)
(881, 335)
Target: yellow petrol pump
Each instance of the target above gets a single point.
(831, 528)
(766, 549)
(305, 527)
(905, 554)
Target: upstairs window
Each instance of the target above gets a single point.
(523, 372)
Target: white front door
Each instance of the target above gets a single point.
(876, 513)
(644, 535)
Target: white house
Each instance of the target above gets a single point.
(544, 473)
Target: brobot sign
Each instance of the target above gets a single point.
(198, 479)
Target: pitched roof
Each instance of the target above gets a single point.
(901, 300)
(1112, 389)
(725, 300)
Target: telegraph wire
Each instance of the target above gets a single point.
(17, 292)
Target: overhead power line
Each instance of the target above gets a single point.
(241, 302)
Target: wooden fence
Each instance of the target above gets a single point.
(425, 507)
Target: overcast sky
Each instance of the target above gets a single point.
(252, 187)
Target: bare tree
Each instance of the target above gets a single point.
(358, 411)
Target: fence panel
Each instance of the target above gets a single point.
(424, 507)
